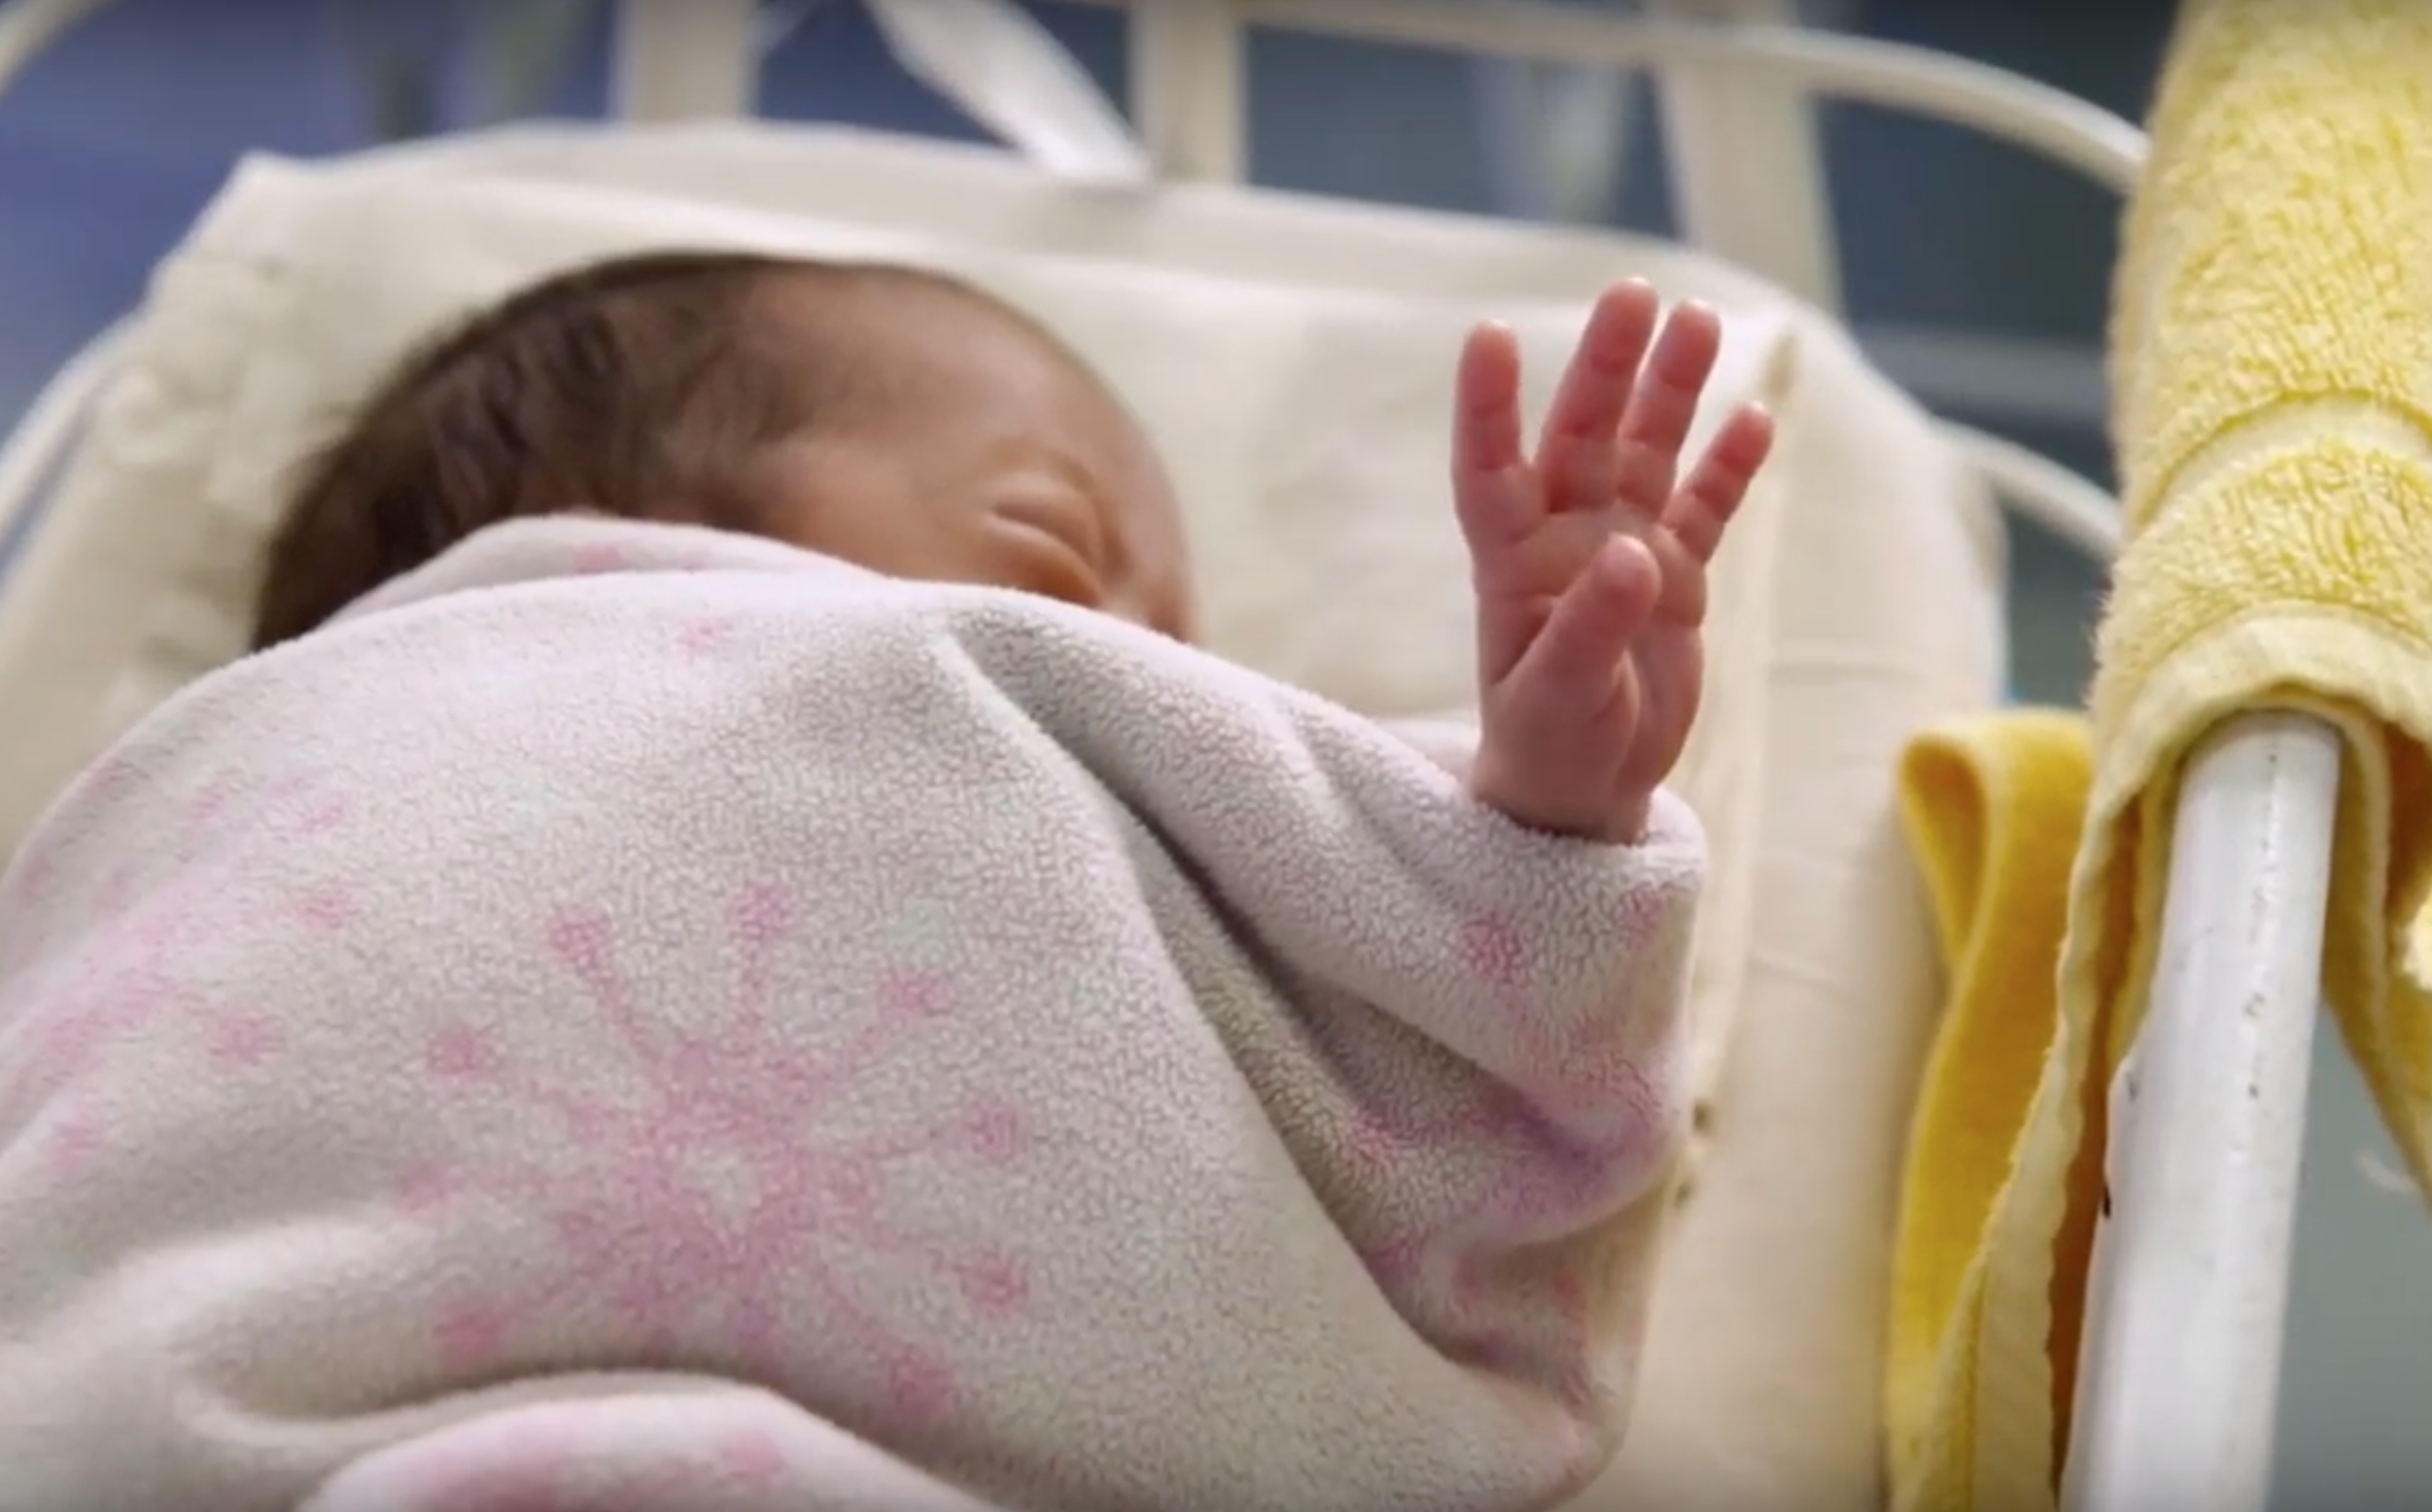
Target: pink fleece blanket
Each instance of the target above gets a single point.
(634, 1019)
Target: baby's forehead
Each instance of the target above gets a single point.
(885, 305)
(894, 335)
(921, 340)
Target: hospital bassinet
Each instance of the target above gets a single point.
(138, 486)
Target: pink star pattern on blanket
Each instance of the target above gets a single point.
(1495, 951)
(1442, 1266)
(700, 1202)
(1583, 1139)
(593, 559)
(1583, 1066)
(222, 869)
(705, 634)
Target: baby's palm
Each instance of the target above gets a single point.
(1591, 561)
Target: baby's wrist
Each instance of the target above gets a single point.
(1606, 821)
(1627, 824)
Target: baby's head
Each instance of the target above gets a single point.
(887, 416)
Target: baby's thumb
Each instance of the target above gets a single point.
(1571, 668)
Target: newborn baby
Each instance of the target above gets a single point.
(907, 422)
(728, 954)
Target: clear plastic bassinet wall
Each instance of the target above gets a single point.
(1986, 301)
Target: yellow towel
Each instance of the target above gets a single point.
(1993, 807)
(2274, 428)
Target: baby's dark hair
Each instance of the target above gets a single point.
(632, 387)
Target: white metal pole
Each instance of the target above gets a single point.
(28, 27)
(1190, 103)
(1895, 76)
(686, 61)
(1747, 163)
(2178, 1385)
(1557, 137)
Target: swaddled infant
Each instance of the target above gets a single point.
(706, 965)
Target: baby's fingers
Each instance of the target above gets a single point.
(1570, 673)
(1702, 509)
(1662, 406)
(1491, 488)
(1596, 388)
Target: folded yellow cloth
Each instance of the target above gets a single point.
(1992, 807)
(2273, 421)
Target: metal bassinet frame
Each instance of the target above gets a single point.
(2179, 1388)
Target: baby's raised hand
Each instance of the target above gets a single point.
(1589, 559)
